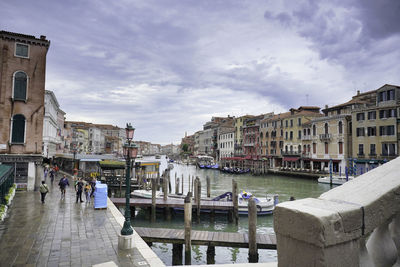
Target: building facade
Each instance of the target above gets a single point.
(22, 91)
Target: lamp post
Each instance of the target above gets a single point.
(130, 152)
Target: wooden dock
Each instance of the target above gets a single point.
(175, 203)
(205, 238)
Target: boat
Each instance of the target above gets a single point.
(336, 180)
(145, 193)
(139, 156)
(235, 170)
(265, 205)
(158, 156)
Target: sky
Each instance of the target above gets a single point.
(168, 66)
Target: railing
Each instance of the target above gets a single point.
(325, 137)
(306, 138)
(6, 181)
(356, 224)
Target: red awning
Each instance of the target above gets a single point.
(290, 159)
(248, 157)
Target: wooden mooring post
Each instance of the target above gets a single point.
(182, 186)
(167, 210)
(208, 186)
(210, 255)
(177, 186)
(189, 184)
(235, 202)
(192, 184)
(198, 198)
(253, 253)
(177, 254)
(188, 228)
(153, 199)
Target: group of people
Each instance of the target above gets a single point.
(80, 185)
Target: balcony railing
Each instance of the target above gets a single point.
(356, 224)
(306, 138)
(248, 144)
(325, 137)
(361, 155)
(291, 153)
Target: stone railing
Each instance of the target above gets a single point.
(356, 224)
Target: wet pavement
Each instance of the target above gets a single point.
(61, 233)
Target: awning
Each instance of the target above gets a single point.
(290, 158)
(248, 157)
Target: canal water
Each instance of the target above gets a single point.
(283, 186)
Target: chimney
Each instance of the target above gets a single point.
(42, 37)
(358, 92)
(326, 106)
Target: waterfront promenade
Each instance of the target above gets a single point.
(65, 233)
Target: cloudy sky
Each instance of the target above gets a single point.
(168, 66)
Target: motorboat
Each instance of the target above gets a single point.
(158, 156)
(235, 170)
(336, 180)
(264, 205)
(145, 193)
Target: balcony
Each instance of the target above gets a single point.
(325, 137)
(306, 138)
(291, 153)
(372, 155)
(248, 144)
(361, 155)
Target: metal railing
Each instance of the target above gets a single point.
(6, 181)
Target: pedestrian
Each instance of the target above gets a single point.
(52, 174)
(88, 190)
(43, 189)
(63, 184)
(45, 173)
(79, 189)
(93, 186)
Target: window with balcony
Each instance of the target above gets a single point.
(372, 115)
(360, 116)
(326, 148)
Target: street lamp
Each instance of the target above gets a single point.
(130, 152)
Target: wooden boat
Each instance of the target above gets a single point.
(336, 180)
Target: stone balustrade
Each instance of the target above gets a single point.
(356, 224)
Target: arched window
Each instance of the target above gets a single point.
(340, 127)
(261, 135)
(18, 129)
(20, 85)
(314, 130)
(326, 128)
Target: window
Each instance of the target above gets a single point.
(20, 85)
(291, 123)
(281, 132)
(326, 148)
(371, 131)
(372, 115)
(299, 121)
(291, 135)
(360, 116)
(21, 50)
(314, 130)
(326, 128)
(372, 149)
(340, 127)
(286, 123)
(386, 130)
(389, 149)
(360, 149)
(299, 136)
(387, 113)
(18, 129)
(286, 135)
(340, 148)
(314, 148)
(360, 131)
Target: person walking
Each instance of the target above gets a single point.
(88, 190)
(52, 176)
(63, 184)
(46, 171)
(93, 186)
(79, 189)
(43, 189)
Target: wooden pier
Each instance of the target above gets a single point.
(174, 203)
(205, 238)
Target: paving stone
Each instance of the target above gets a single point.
(60, 233)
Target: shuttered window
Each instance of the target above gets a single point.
(20, 85)
(18, 129)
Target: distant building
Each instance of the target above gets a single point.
(51, 127)
(189, 141)
(22, 93)
(226, 141)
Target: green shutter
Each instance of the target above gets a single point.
(18, 129)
